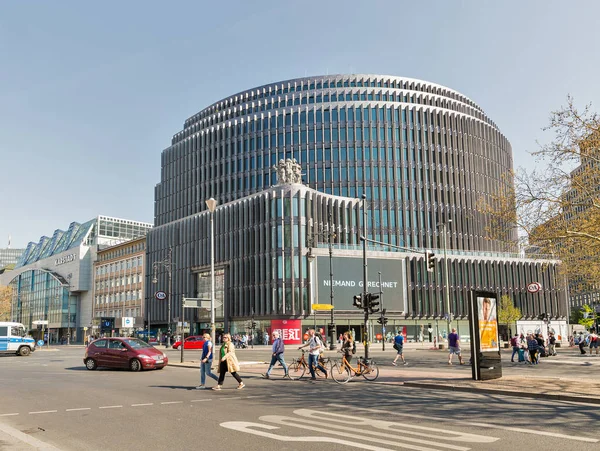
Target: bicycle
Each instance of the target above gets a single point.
(341, 370)
(297, 368)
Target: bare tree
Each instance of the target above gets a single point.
(556, 207)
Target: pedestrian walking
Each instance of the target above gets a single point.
(532, 347)
(551, 344)
(277, 356)
(314, 349)
(593, 338)
(206, 361)
(454, 347)
(514, 342)
(399, 347)
(228, 362)
(582, 343)
(267, 339)
(347, 346)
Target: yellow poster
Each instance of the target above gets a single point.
(488, 324)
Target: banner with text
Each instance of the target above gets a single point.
(348, 281)
(290, 330)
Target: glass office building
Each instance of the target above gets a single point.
(422, 154)
(53, 278)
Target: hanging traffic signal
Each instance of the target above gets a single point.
(357, 301)
(430, 258)
(372, 302)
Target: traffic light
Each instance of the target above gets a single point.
(372, 302)
(430, 257)
(253, 324)
(358, 301)
(382, 319)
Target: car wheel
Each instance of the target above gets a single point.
(90, 364)
(135, 365)
(24, 351)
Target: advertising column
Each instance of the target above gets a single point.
(485, 346)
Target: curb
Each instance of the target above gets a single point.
(492, 391)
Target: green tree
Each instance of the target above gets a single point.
(587, 322)
(508, 313)
(5, 303)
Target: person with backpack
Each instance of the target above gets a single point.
(399, 346)
(314, 349)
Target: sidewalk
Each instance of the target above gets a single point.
(560, 389)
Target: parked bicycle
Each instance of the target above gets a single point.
(298, 367)
(342, 371)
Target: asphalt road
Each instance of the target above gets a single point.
(50, 400)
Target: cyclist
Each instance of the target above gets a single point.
(347, 346)
(314, 347)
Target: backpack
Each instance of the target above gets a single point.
(353, 347)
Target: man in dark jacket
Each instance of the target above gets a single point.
(277, 350)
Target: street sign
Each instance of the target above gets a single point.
(40, 322)
(322, 307)
(160, 295)
(534, 287)
(196, 303)
(127, 321)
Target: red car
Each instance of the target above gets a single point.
(193, 342)
(123, 352)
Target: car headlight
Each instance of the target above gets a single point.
(144, 356)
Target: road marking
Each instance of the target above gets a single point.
(337, 425)
(146, 404)
(43, 411)
(257, 396)
(172, 402)
(245, 426)
(471, 423)
(230, 397)
(200, 400)
(435, 433)
(80, 408)
(109, 407)
(8, 414)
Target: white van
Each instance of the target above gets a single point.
(13, 339)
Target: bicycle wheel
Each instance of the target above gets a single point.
(296, 370)
(319, 373)
(370, 371)
(340, 373)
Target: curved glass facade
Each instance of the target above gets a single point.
(420, 152)
(43, 295)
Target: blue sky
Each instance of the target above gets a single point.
(92, 92)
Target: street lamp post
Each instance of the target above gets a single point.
(365, 288)
(68, 310)
(167, 263)
(332, 332)
(211, 204)
(448, 314)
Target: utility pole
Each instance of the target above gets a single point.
(365, 280)
(382, 319)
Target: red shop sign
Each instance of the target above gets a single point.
(290, 330)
